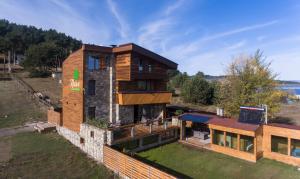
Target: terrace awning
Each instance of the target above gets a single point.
(198, 118)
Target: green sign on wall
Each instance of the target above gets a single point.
(74, 83)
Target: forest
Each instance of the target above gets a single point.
(43, 49)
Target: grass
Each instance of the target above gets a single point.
(195, 163)
(49, 156)
(47, 86)
(15, 107)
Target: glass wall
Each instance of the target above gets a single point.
(247, 144)
(279, 144)
(295, 148)
(231, 140)
(218, 137)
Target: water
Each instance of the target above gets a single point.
(295, 89)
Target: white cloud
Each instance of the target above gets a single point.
(124, 27)
(239, 30)
(173, 7)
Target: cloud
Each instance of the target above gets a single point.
(236, 45)
(171, 8)
(124, 27)
(239, 30)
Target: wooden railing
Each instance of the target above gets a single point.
(127, 166)
(144, 98)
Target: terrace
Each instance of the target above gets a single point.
(162, 130)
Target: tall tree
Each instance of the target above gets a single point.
(249, 82)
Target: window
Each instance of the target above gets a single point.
(93, 62)
(140, 65)
(295, 147)
(218, 137)
(92, 134)
(231, 140)
(145, 85)
(91, 112)
(279, 144)
(81, 140)
(150, 68)
(91, 87)
(142, 85)
(247, 144)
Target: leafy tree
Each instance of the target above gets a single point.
(178, 80)
(249, 82)
(197, 90)
(41, 57)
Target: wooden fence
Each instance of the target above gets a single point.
(130, 167)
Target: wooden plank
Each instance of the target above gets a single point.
(144, 98)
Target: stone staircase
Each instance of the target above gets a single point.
(43, 127)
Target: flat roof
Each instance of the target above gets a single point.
(233, 123)
(134, 48)
(288, 126)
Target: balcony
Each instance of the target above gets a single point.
(143, 97)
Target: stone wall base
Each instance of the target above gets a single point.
(90, 139)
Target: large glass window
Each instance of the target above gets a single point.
(279, 144)
(91, 87)
(231, 140)
(93, 62)
(247, 144)
(218, 137)
(295, 148)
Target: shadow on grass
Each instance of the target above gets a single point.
(161, 167)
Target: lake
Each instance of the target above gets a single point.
(291, 88)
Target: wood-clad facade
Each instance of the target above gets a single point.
(72, 97)
(114, 84)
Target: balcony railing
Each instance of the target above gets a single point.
(144, 97)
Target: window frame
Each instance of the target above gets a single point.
(277, 147)
(91, 93)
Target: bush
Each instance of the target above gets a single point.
(101, 123)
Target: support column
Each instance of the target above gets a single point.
(211, 135)
(289, 146)
(225, 138)
(182, 130)
(238, 142)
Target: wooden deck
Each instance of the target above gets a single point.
(123, 134)
(198, 143)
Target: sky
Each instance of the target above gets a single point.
(199, 35)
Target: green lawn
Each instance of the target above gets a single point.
(36, 155)
(15, 108)
(195, 163)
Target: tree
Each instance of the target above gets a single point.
(41, 57)
(249, 82)
(197, 90)
(178, 80)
